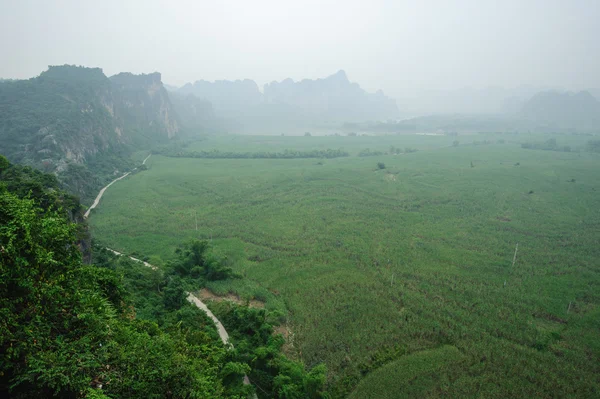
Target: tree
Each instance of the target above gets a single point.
(4, 164)
(67, 332)
(380, 165)
(195, 260)
(455, 143)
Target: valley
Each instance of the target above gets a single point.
(371, 266)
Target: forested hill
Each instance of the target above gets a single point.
(81, 125)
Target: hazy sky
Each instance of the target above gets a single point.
(398, 46)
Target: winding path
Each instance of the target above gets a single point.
(101, 193)
(190, 297)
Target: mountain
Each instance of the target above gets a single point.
(286, 105)
(142, 103)
(229, 98)
(563, 110)
(69, 117)
(595, 92)
(194, 113)
(333, 98)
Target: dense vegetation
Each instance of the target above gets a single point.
(548, 145)
(396, 274)
(285, 154)
(115, 328)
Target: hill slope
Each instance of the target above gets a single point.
(72, 116)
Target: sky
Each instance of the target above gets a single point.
(403, 47)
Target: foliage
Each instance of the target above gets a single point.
(4, 164)
(275, 375)
(286, 154)
(368, 153)
(548, 145)
(67, 330)
(194, 259)
(380, 165)
(593, 145)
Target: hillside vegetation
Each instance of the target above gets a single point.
(117, 329)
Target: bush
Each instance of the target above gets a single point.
(380, 165)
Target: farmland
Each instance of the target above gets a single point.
(408, 265)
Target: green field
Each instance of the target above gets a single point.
(410, 265)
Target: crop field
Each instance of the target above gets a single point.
(404, 277)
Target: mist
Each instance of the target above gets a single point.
(426, 55)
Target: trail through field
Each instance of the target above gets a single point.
(101, 193)
(190, 297)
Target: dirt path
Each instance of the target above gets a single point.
(200, 305)
(101, 193)
(222, 332)
(190, 297)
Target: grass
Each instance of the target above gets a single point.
(410, 376)
(419, 254)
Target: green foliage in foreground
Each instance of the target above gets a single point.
(66, 329)
(160, 297)
(69, 330)
(274, 375)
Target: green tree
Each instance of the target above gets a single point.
(4, 164)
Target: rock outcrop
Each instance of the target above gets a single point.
(70, 116)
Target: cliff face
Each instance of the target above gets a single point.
(70, 116)
(64, 115)
(142, 103)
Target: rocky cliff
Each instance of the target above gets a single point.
(69, 117)
(143, 104)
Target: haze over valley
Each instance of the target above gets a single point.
(316, 199)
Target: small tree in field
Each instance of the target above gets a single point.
(380, 165)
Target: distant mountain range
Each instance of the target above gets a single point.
(563, 110)
(285, 104)
(83, 126)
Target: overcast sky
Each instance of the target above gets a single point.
(398, 46)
